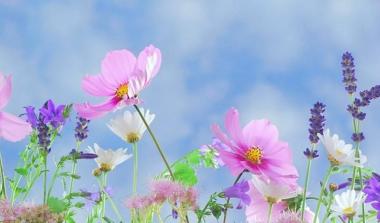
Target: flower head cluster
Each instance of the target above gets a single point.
(349, 78)
(50, 118)
(12, 128)
(27, 213)
(81, 130)
(372, 191)
(255, 148)
(317, 121)
(122, 78)
(290, 216)
(181, 198)
(130, 127)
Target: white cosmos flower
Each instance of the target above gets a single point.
(129, 126)
(273, 192)
(340, 152)
(348, 202)
(108, 159)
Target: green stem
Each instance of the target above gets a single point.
(51, 184)
(45, 176)
(306, 184)
(156, 143)
(3, 193)
(324, 184)
(104, 182)
(135, 166)
(327, 214)
(114, 207)
(361, 187)
(228, 199)
(270, 212)
(73, 170)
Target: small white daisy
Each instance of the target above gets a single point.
(129, 126)
(348, 202)
(108, 159)
(340, 153)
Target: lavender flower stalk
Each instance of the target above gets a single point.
(317, 123)
(349, 78)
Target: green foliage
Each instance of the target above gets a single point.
(57, 205)
(185, 173)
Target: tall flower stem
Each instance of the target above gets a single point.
(3, 192)
(306, 184)
(270, 212)
(228, 199)
(356, 128)
(324, 184)
(135, 166)
(113, 205)
(45, 175)
(155, 142)
(327, 214)
(73, 170)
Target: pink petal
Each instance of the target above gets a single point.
(261, 133)
(149, 62)
(89, 111)
(221, 136)
(232, 161)
(97, 85)
(233, 127)
(279, 171)
(118, 67)
(13, 128)
(5, 90)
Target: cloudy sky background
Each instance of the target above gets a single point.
(270, 59)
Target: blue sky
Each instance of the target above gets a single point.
(269, 59)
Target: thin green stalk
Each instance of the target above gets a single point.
(45, 176)
(306, 184)
(51, 184)
(74, 169)
(270, 212)
(324, 184)
(228, 199)
(3, 193)
(114, 207)
(155, 142)
(104, 182)
(135, 166)
(327, 214)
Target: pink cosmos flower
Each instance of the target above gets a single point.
(255, 148)
(12, 128)
(122, 78)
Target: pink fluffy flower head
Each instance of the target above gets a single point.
(173, 192)
(122, 78)
(12, 128)
(255, 148)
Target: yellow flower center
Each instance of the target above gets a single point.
(254, 154)
(271, 200)
(333, 161)
(105, 167)
(349, 212)
(122, 90)
(132, 137)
